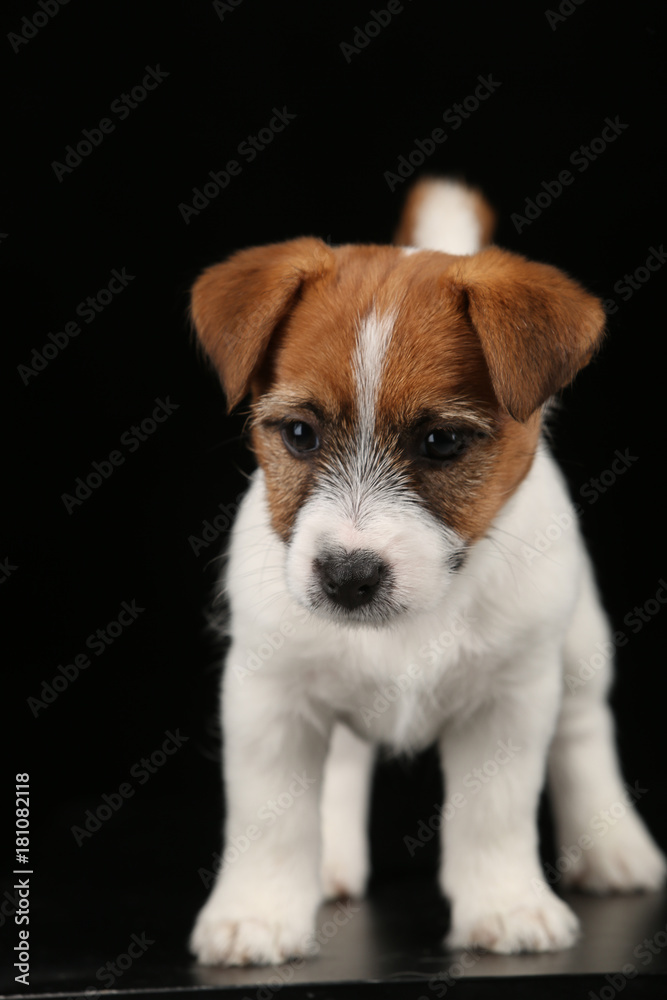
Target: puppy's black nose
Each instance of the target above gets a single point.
(350, 579)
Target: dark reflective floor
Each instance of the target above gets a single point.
(87, 939)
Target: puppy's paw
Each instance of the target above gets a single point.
(219, 940)
(345, 869)
(623, 859)
(547, 924)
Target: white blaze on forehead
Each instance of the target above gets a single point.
(364, 501)
(373, 337)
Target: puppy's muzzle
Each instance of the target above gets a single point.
(351, 579)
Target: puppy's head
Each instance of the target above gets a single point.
(396, 403)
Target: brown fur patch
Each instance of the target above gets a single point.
(236, 306)
(310, 360)
(537, 326)
(404, 235)
(435, 362)
(485, 215)
(482, 339)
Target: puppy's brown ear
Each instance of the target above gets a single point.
(537, 326)
(237, 305)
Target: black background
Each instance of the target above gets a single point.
(323, 175)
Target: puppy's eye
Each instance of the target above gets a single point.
(299, 437)
(442, 444)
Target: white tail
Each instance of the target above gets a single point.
(445, 215)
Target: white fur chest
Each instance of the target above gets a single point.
(398, 685)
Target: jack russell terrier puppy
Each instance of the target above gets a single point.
(385, 588)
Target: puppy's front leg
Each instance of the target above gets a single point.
(494, 764)
(345, 806)
(262, 908)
